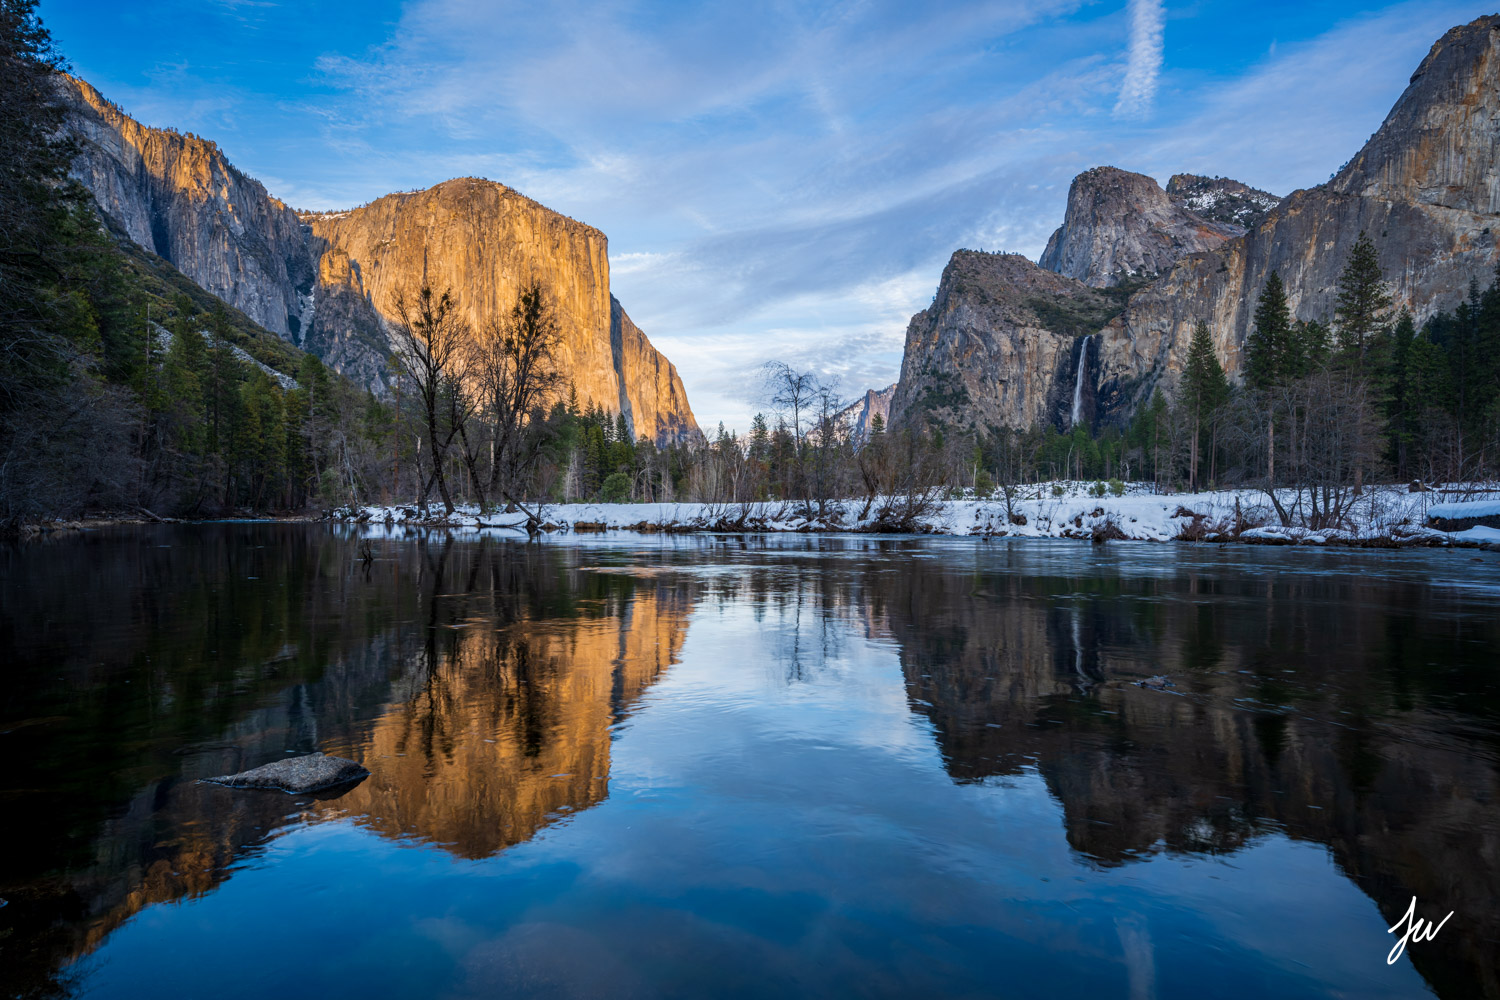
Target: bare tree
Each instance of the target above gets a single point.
(799, 392)
(430, 345)
(517, 373)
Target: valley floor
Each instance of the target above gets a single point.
(1385, 516)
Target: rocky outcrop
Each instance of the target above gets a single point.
(1122, 226)
(1426, 188)
(313, 773)
(484, 241)
(327, 282)
(857, 419)
(1001, 346)
(652, 396)
(1220, 199)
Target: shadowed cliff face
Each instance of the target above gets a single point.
(328, 282)
(1001, 346)
(1425, 187)
(1121, 226)
(652, 396)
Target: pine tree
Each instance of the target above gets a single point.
(1269, 348)
(1204, 389)
(1363, 301)
(183, 374)
(1308, 349)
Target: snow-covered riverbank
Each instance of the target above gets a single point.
(1383, 516)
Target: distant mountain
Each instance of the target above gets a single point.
(1220, 199)
(327, 281)
(855, 421)
(1006, 345)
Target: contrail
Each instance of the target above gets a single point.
(1139, 88)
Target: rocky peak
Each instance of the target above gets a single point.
(1439, 145)
(854, 421)
(177, 195)
(1001, 346)
(1122, 226)
(1219, 199)
(1425, 188)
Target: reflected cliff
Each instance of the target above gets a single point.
(479, 681)
(1320, 704)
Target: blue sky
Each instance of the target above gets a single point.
(777, 180)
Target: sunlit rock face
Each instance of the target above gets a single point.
(1122, 226)
(178, 196)
(858, 418)
(484, 242)
(1426, 188)
(328, 282)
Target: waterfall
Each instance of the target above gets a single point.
(1083, 366)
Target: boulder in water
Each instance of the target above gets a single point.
(297, 775)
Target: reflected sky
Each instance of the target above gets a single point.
(746, 766)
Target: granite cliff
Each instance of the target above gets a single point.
(1425, 187)
(484, 241)
(1122, 226)
(327, 282)
(176, 195)
(858, 417)
(1000, 346)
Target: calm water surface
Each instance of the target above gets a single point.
(745, 766)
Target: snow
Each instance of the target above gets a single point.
(1387, 516)
(1465, 509)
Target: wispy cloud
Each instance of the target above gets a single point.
(777, 180)
(1147, 19)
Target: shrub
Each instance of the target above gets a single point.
(616, 488)
(1057, 489)
(1116, 487)
(1097, 490)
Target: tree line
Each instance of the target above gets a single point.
(128, 388)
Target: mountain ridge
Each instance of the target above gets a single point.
(1425, 187)
(326, 281)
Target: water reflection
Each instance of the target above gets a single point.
(478, 681)
(1325, 706)
(1345, 700)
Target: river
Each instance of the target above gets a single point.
(685, 766)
